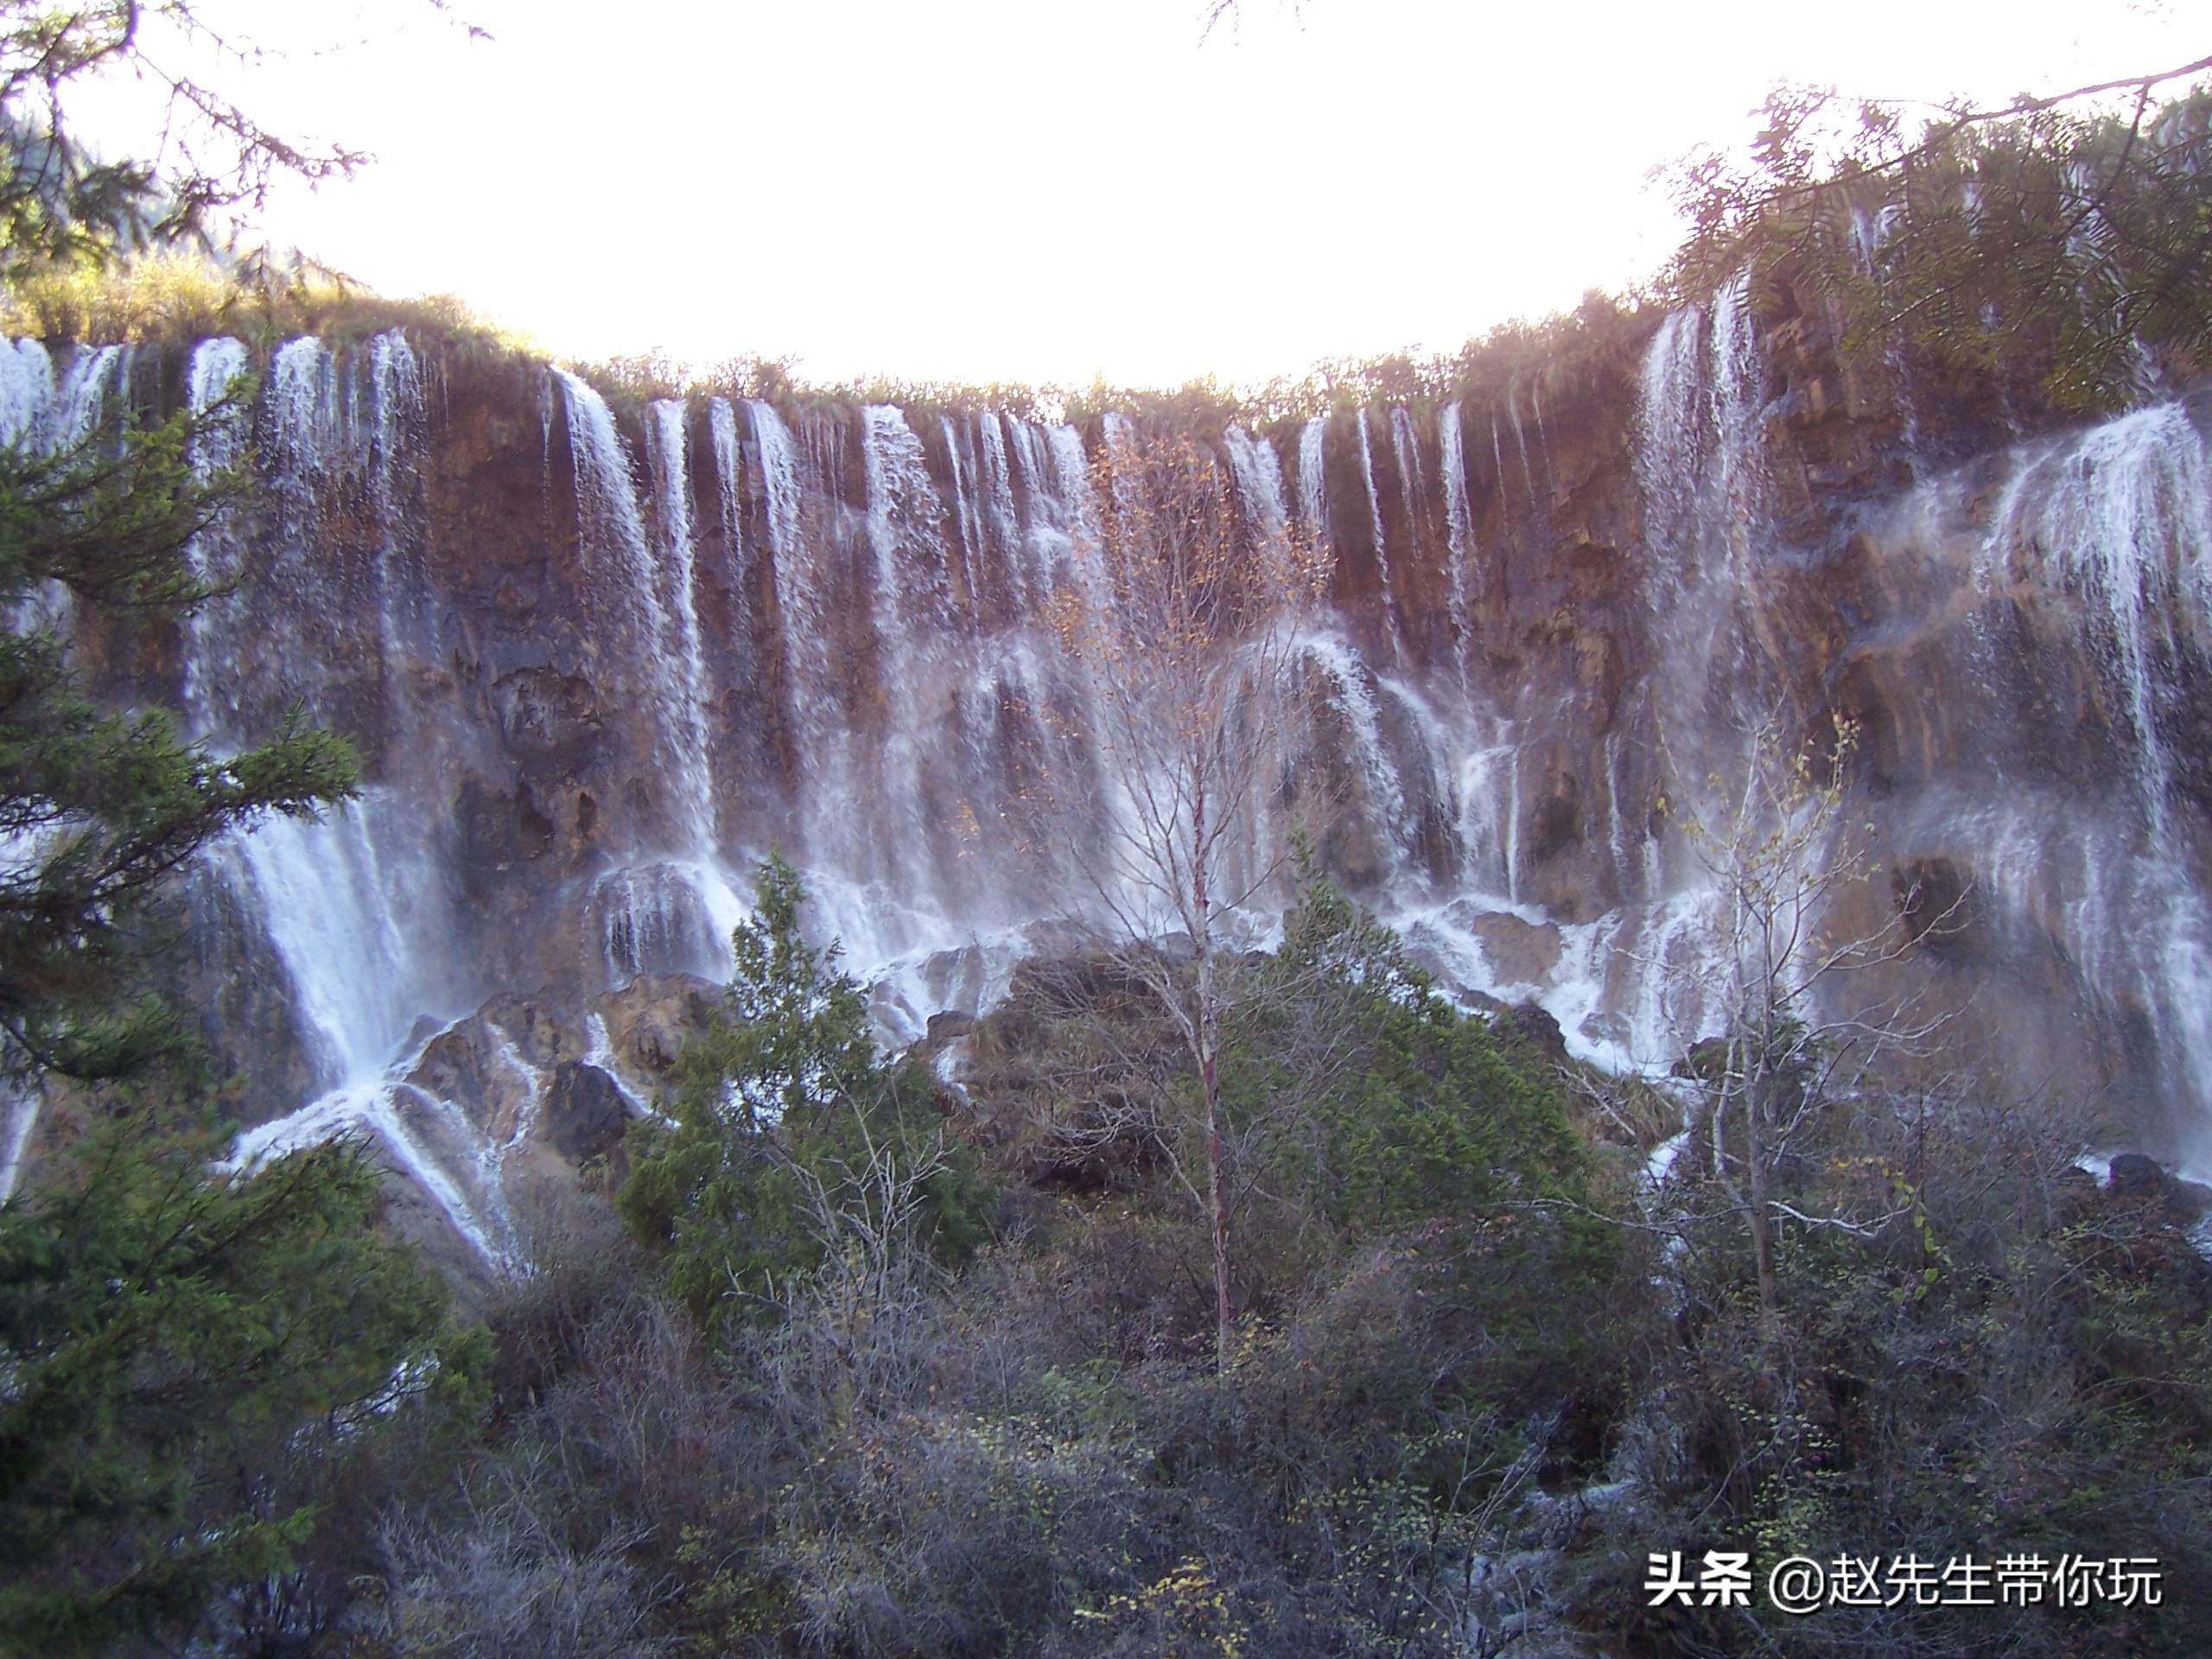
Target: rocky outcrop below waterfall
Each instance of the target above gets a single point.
(597, 658)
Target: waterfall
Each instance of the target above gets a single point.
(337, 914)
(722, 426)
(967, 524)
(997, 491)
(1543, 441)
(903, 514)
(1078, 527)
(1258, 475)
(2121, 515)
(801, 598)
(352, 906)
(1353, 695)
(930, 755)
(95, 375)
(1700, 453)
(26, 389)
(1670, 439)
(674, 913)
(396, 432)
(1701, 476)
(651, 598)
(1055, 478)
(1382, 549)
(679, 568)
(52, 420)
(18, 1117)
(1734, 374)
(1460, 536)
(216, 367)
(1405, 449)
(1520, 439)
(1312, 488)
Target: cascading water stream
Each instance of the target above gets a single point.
(1381, 546)
(1521, 441)
(675, 912)
(629, 583)
(680, 614)
(1460, 538)
(1312, 483)
(350, 906)
(2121, 516)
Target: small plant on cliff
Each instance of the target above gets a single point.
(794, 1154)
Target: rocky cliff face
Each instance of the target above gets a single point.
(595, 661)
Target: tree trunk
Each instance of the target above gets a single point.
(1206, 1027)
(1762, 1223)
(1224, 1332)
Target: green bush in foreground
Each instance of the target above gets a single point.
(791, 1143)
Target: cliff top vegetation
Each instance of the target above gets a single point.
(2062, 247)
(2058, 246)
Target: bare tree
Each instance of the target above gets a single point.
(864, 1332)
(1783, 853)
(1185, 626)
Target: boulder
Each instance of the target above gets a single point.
(2138, 1179)
(648, 1019)
(585, 1114)
(473, 1066)
(1532, 1024)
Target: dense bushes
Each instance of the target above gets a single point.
(1033, 1454)
(1481, 1371)
(1479, 1377)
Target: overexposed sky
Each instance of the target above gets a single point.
(1044, 190)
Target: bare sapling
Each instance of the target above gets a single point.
(1783, 853)
(1185, 628)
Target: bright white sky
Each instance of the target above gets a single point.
(1048, 190)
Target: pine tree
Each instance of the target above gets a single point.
(98, 807)
(164, 1331)
(171, 1331)
(791, 1146)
